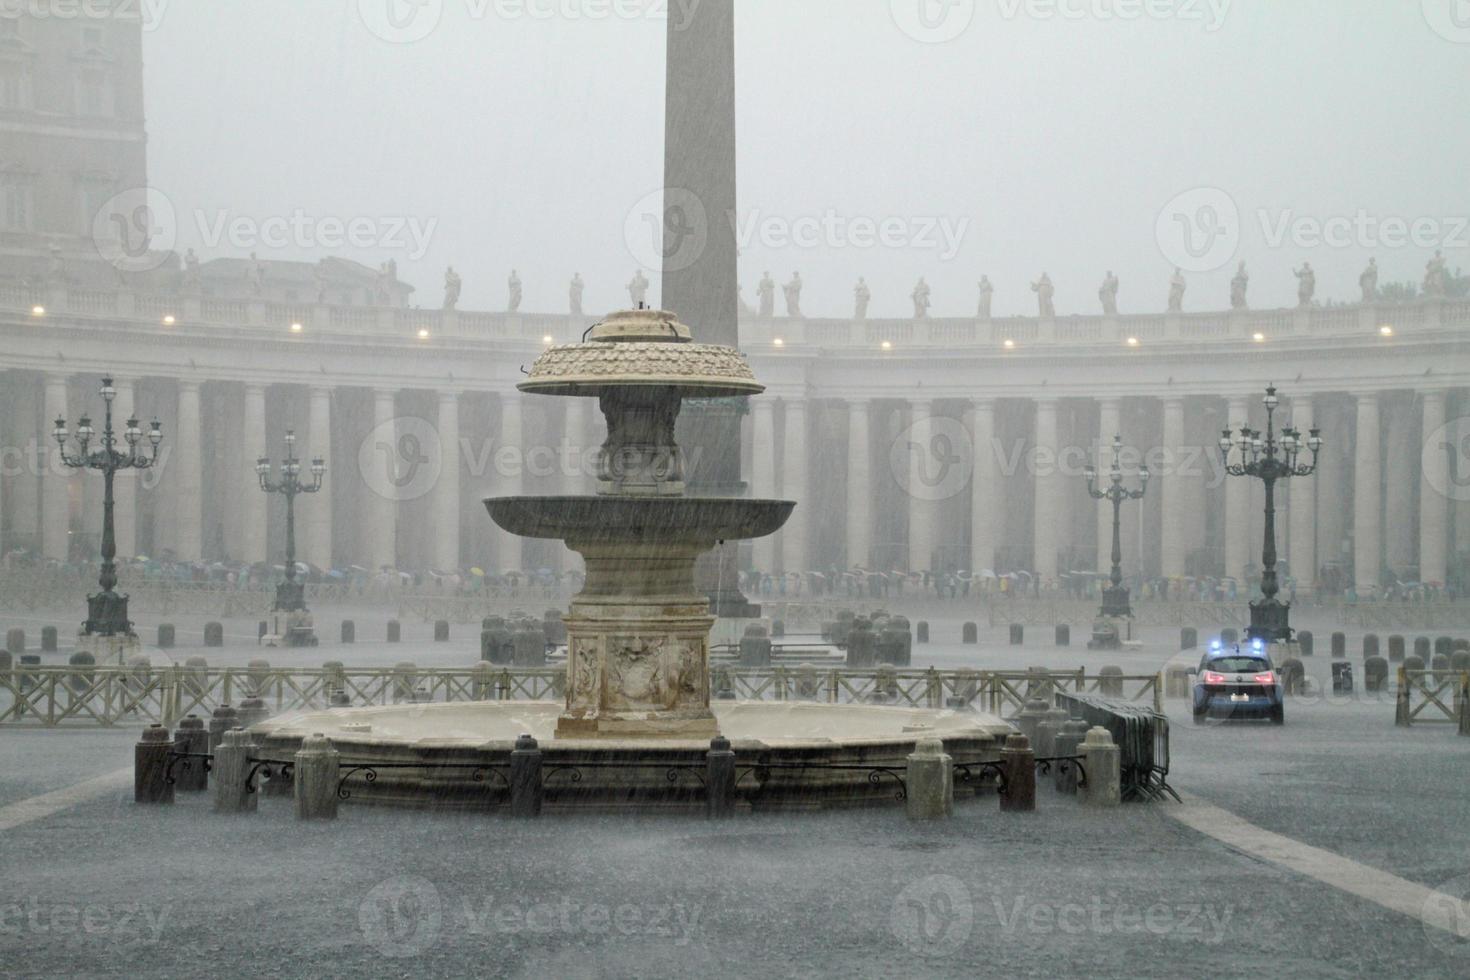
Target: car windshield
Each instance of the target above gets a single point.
(1238, 665)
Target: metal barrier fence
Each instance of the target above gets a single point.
(1430, 697)
(49, 697)
(1142, 736)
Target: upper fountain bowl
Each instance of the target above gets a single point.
(641, 348)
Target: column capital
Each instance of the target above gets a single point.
(185, 384)
(256, 387)
(982, 403)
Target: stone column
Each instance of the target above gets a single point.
(383, 499)
(21, 412)
(125, 485)
(763, 473)
(446, 491)
(319, 505)
(188, 476)
(253, 503)
(509, 477)
(1403, 452)
(1332, 481)
(921, 508)
(983, 483)
(1108, 424)
(55, 490)
(1302, 531)
(1434, 480)
(1367, 539)
(793, 477)
(1173, 533)
(1238, 540)
(1044, 533)
(859, 484)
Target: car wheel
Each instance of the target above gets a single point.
(1200, 717)
(1278, 715)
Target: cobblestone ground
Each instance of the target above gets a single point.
(103, 888)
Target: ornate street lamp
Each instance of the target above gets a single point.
(290, 594)
(107, 611)
(1115, 595)
(1269, 459)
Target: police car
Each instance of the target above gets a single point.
(1235, 682)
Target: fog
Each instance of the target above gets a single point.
(1042, 137)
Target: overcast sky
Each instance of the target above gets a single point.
(1038, 138)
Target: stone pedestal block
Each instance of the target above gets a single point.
(318, 770)
(1019, 762)
(1102, 761)
(150, 767)
(231, 767)
(929, 781)
(191, 737)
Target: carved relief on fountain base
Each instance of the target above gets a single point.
(638, 668)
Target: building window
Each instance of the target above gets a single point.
(94, 93)
(17, 206)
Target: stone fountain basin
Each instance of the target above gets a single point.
(683, 520)
(576, 773)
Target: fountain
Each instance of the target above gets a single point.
(637, 710)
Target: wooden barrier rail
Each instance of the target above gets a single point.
(51, 697)
(1443, 697)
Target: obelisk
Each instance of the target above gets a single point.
(699, 284)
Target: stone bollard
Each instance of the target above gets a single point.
(1460, 661)
(862, 644)
(1370, 645)
(724, 683)
(921, 631)
(1018, 634)
(1031, 716)
(495, 647)
(970, 634)
(525, 778)
(1375, 674)
(1396, 648)
(166, 635)
(15, 641)
(1188, 638)
(1339, 645)
(261, 629)
(1102, 762)
(1176, 681)
(1019, 764)
(1305, 642)
(441, 631)
(1293, 677)
(1413, 663)
(252, 712)
(349, 631)
(1229, 636)
(929, 781)
(194, 676)
(1421, 648)
(1069, 743)
(1063, 635)
(555, 627)
(82, 663)
(48, 639)
(395, 631)
(231, 767)
(150, 767)
(529, 644)
(191, 737)
(1040, 685)
(778, 628)
(257, 673)
(719, 779)
(214, 634)
(224, 718)
(1046, 737)
(318, 771)
(1441, 667)
(1444, 645)
(755, 647)
(405, 678)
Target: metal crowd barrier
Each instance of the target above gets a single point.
(1141, 734)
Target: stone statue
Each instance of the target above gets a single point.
(1044, 294)
(452, 284)
(1436, 277)
(514, 284)
(1368, 282)
(1238, 285)
(319, 283)
(191, 270)
(793, 295)
(1176, 291)
(920, 296)
(255, 275)
(574, 292)
(55, 265)
(765, 292)
(861, 294)
(382, 285)
(1306, 285)
(1108, 293)
(638, 290)
(987, 291)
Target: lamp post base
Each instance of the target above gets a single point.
(290, 597)
(1270, 621)
(107, 615)
(109, 649)
(1115, 603)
